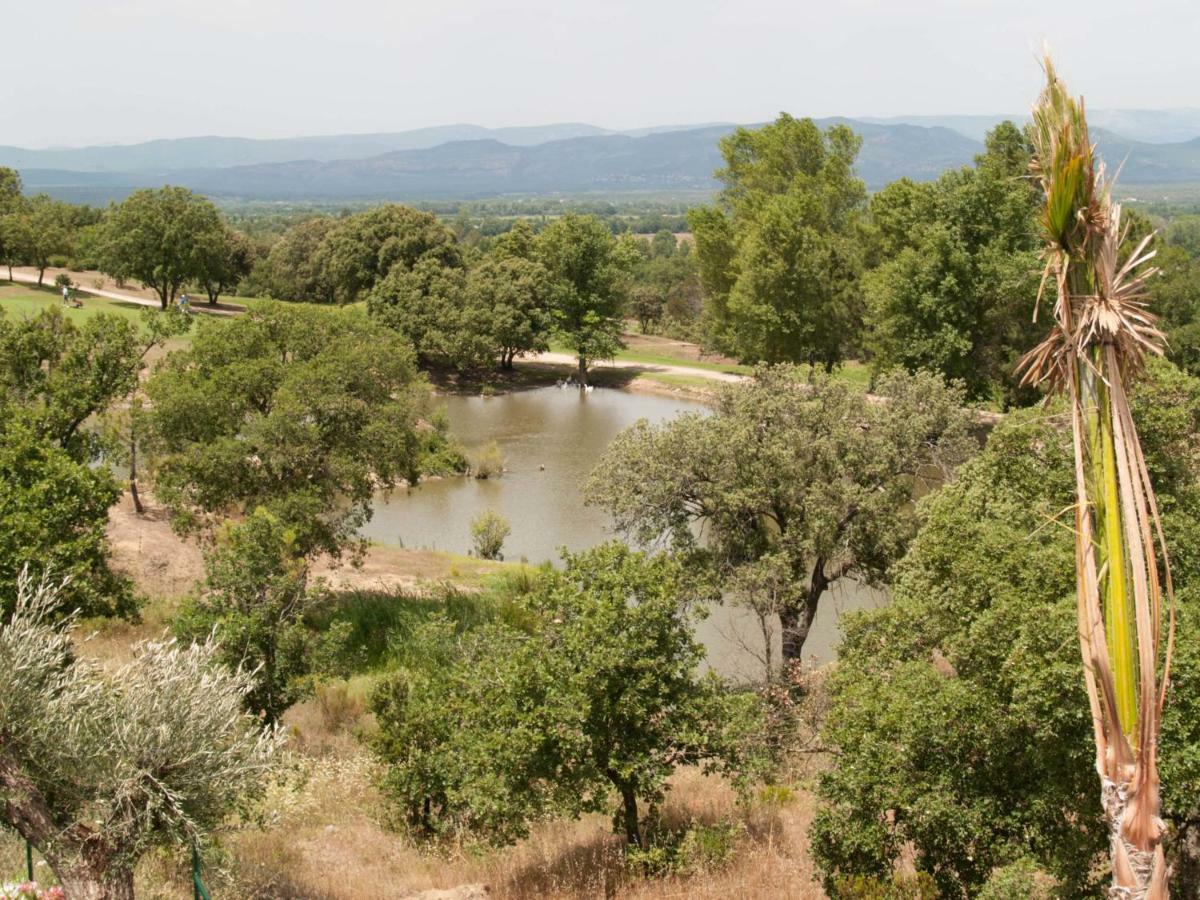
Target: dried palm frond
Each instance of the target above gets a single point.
(1101, 334)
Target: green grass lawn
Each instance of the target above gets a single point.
(17, 300)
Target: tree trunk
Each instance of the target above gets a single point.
(95, 880)
(795, 620)
(41, 274)
(583, 370)
(629, 810)
(1137, 874)
(133, 480)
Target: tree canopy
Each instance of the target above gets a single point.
(958, 712)
(589, 267)
(164, 238)
(303, 411)
(361, 250)
(780, 254)
(956, 290)
(818, 476)
(599, 693)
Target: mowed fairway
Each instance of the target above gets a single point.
(18, 301)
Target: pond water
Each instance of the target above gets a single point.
(551, 439)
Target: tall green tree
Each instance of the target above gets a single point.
(293, 269)
(361, 250)
(513, 300)
(228, 258)
(589, 267)
(955, 291)
(780, 254)
(818, 477)
(40, 231)
(162, 238)
(56, 378)
(303, 411)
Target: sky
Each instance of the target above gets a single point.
(79, 72)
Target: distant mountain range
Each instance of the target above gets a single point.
(468, 161)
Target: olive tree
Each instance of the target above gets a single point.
(98, 767)
(818, 474)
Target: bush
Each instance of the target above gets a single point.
(62, 279)
(1022, 880)
(899, 887)
(488, 461)
(488, 531)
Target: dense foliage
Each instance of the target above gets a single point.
(955, 292)
(54, 378)
(597, 694)
(811, 477)
(166, 239)
(958, 711)
(303, 411)
(781, 254)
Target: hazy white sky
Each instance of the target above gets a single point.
(74, 72)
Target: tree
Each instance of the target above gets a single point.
(780, 255)
(589, 267)
(42, 231)
(10, 204)
(512, 301)
(426, 305)
(98, 768)
(293, 269)
(956, 290)
(227, 259)
(255, 596)
(55, 377)
(647, 305)
(600, 695)
(53, 520)
(662, 244)
(364, 248)
(10, 189)
(958, 715)
(488, 532)
(1175, 298)
(304, 411)
(819, 474)
(163, 238)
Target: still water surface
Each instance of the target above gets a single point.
(551, 439)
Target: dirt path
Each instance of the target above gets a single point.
(653, 368)
(165, 566)
(27, 277)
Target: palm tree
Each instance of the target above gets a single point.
(1097, 346)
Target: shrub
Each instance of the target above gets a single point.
(62, 279)
(899, 887)
(488, 531)
(488, 461)
(1022, 880)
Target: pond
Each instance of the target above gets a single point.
(551, 439)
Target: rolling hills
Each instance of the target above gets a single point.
(468, 162)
